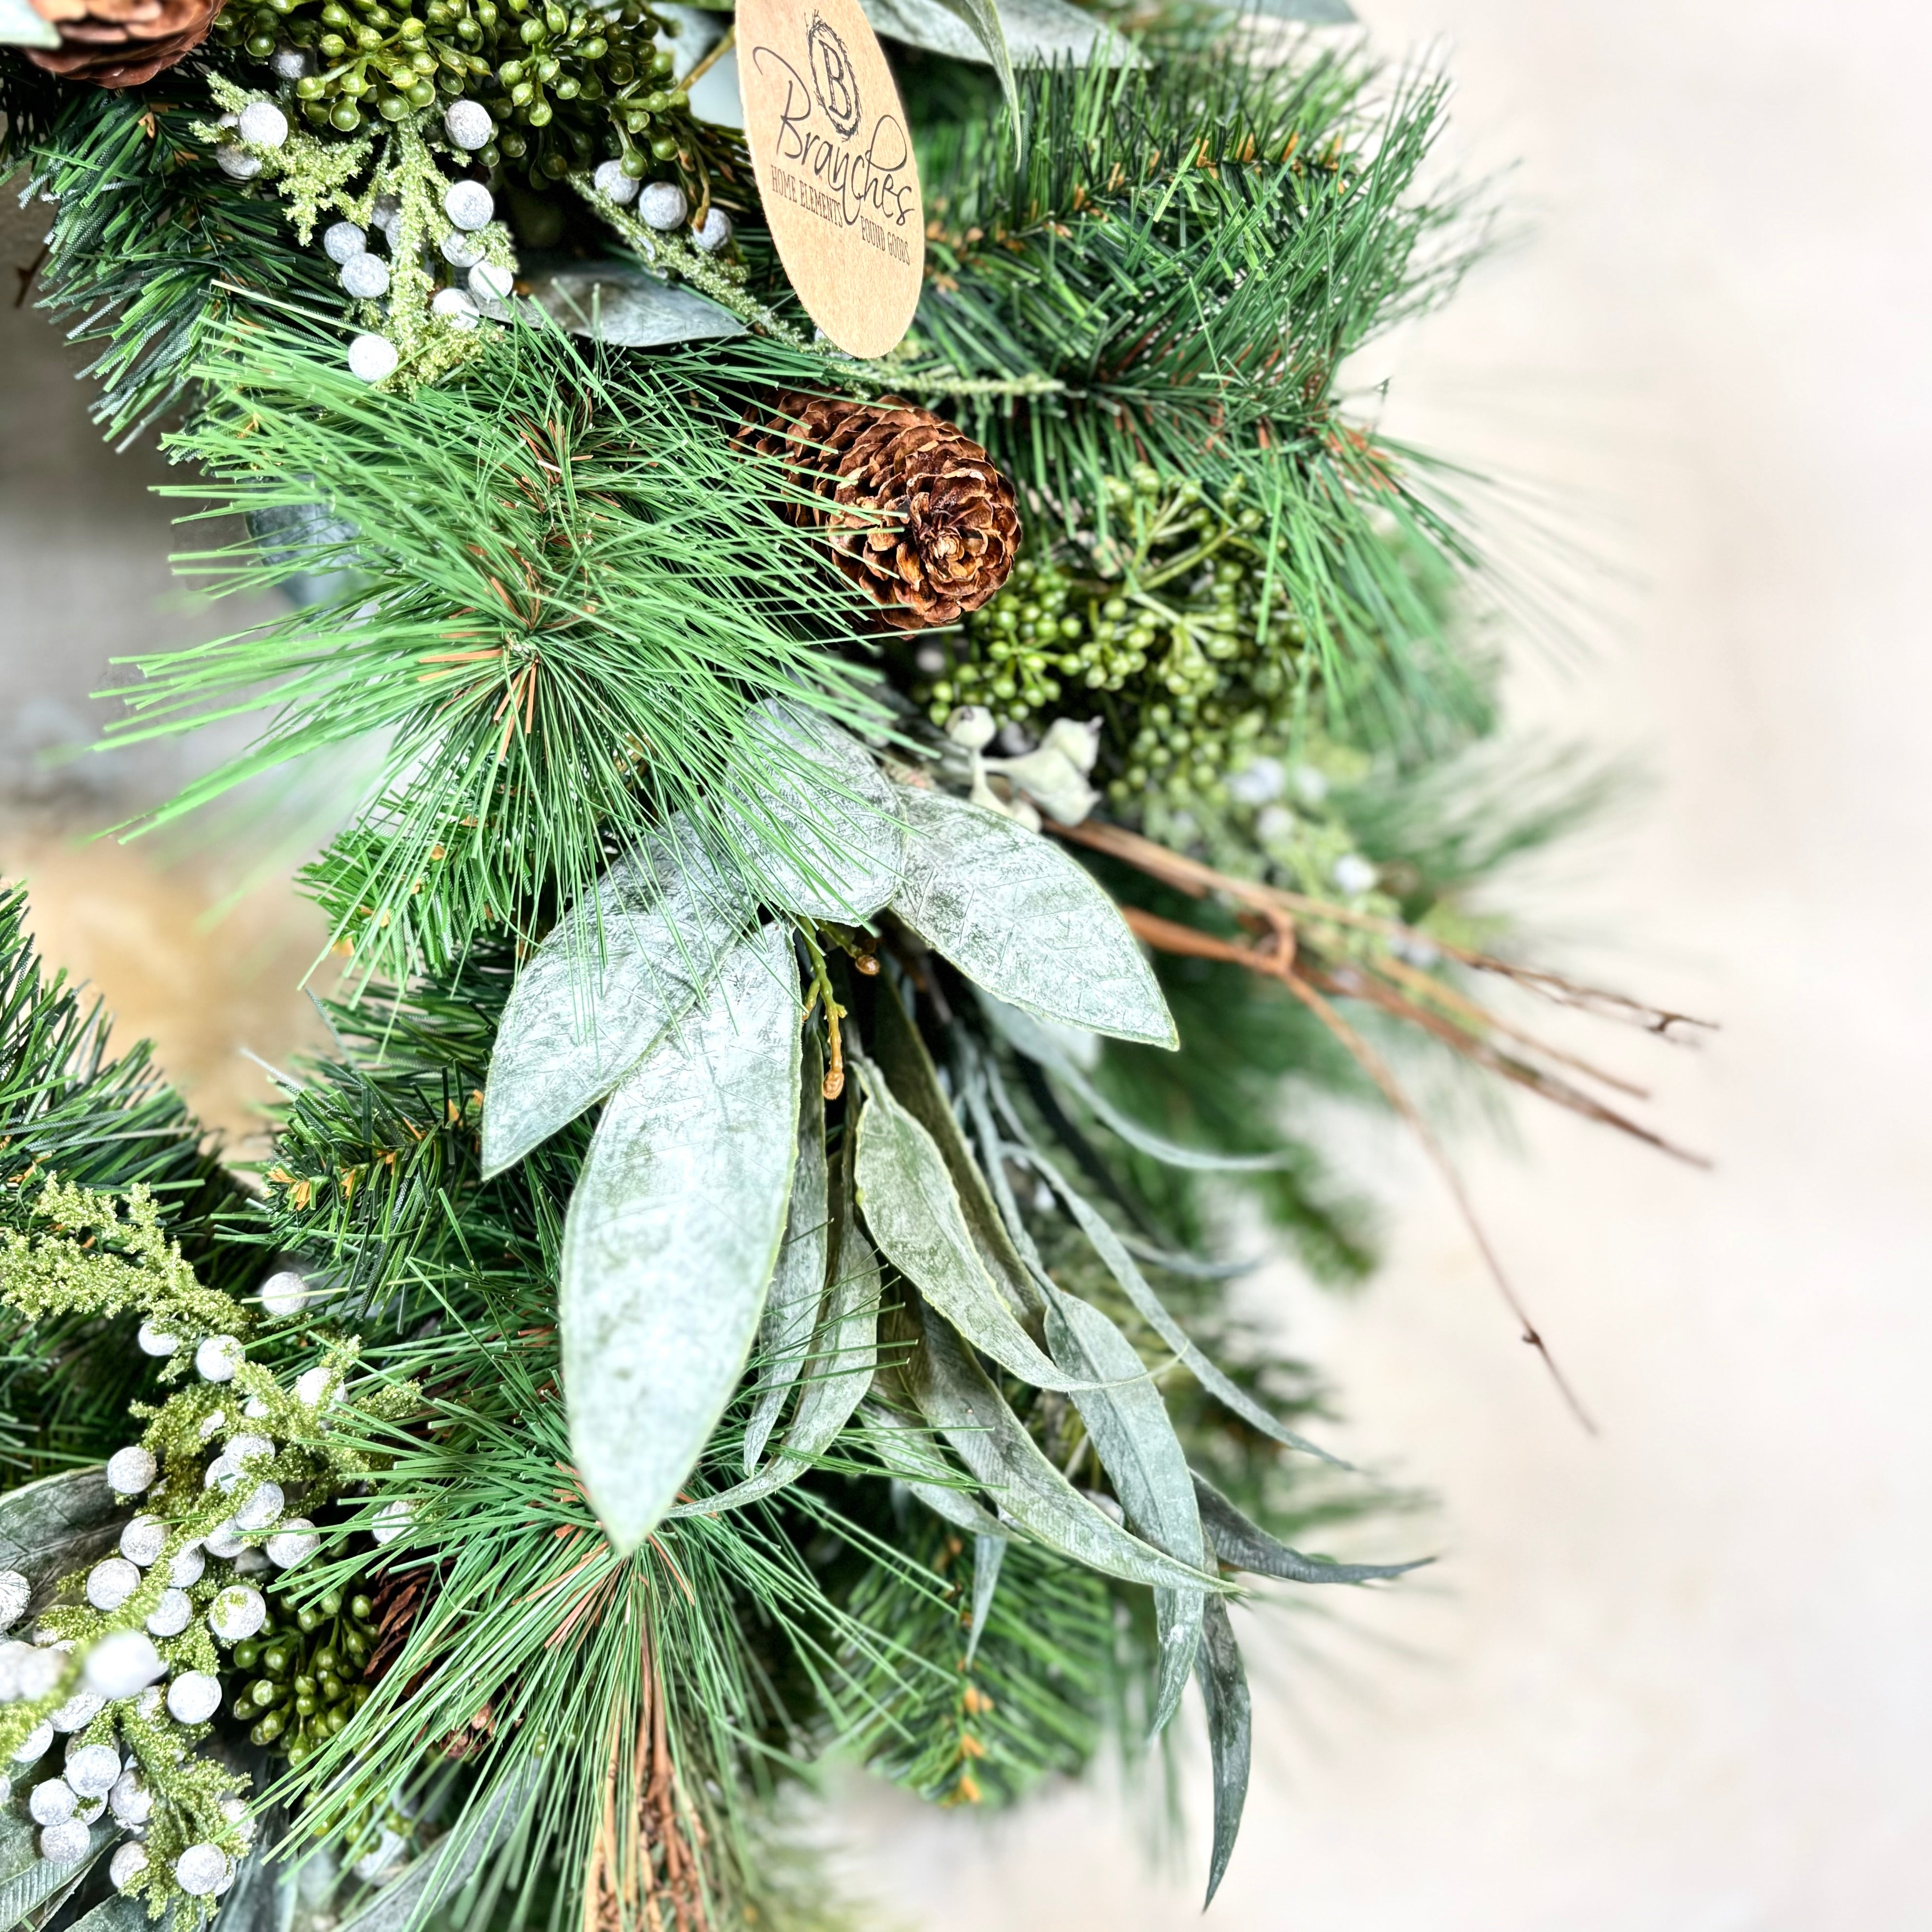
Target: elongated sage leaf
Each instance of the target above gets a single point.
(1020, 918)
(904, 1448)
(845, 1352)
(672, 1234)
(812, 816)
(120, 1913)
(1043, 31)
(955, 1395)
(22, 1895)
(1244, 1545)
(617, 970)
(1224, 1687)
(423, 1885)
(908, 1202)
(1134, 1437)
(60, 1523)
(1025, 1035)
(989, 1552)
(798, 1285)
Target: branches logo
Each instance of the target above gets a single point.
(834, 84)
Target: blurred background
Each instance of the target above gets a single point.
(1679, 1676)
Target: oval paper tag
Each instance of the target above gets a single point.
(835, 167)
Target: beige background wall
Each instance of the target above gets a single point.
(1675, 1679)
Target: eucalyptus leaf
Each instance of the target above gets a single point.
(1020, 918)
(909, 1204)
(1034, 32)
(425, 1883)
(1224, 1687)
(118, 1913)
(625, 303)
(672, 1234)
(1027, 1036)
(1309, 12)
(57, 1524)
(798, 1285)
(17, 1850)
(614, 975)
(955, 1395)
(812, 817)
(22, 1895)
(905, 1449)
(983, 18)
(989, 1552)
(20, 26)
(1244, 1545)
(1133, 1436)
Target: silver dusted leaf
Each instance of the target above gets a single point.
(1016, 915)
(989, 1555)
(412, 1895)
(1037, 32)
(672, 1235)
(624, 303)
(1308, 12)
(60, 1523)
(812, 817)
(906, 1450)
(1245, 1545)
(956, 1396)
(616, 971)
(38, 1890)
(1134, 1437)
(20, 26)
(1224, 1686)
(910, 1208)
(798, 1283)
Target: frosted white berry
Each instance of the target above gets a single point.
(40, 1671)
(185, 1566)
(130, 1801)
(252, 1561)
(468, 204)
(111, 1582)
(490, 284)
(143, 1539)
(713, 232)
(373, 1863)
(611, 182)
(218, 1358)
(129, 1862)
(193, 1697)
(386, 215)
(65, 1844)
(15, 1592)
(122, 1665)
(130, 1471)
(295, 1542)
(373, 357)
(237, 1613)
(212, 1424)
(79, 1711)
(468, 125)
(246, 1444)
(1353, 874)
(455, 308)
(365, 277)
(51, 1801)
(339, 241)
(392, 1519)
(460, 250)
(172, 1614)
(225, 1539)
(263, 1506)
(255, 1409)
(34, 1744)
(153, 1341)
(237, 163)
(93, 1769)
(263, 124)
(663, 204)
(312, 1386)
(291, 63)
(200, 1869)
(285, 1293)
(236, 1813)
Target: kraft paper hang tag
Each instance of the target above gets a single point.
(835, 167)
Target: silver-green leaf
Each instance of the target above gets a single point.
(617, 970)
(60, 1522)
(904, 1448)
(989, 1553)
(1019, 917)
(672, 1235)
(1245, 1545)
(1224, 1686)
(1042, 32)
(955, 1395)
(415, 1892)
(22, 1895)
(625, 303)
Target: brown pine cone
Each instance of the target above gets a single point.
(914, 512)
(121, 43)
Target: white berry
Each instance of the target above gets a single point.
(93, 1769)
(126, 1865)
(251, 1562)
(455, 308)
(1353, 874)
(15, 1592)
(153, 1341)
(40, 1671)
(122, 1665)
(713, 232)
(392, 1519)
(79, 1711)
(51, 1801)
(263, 1506)
(35, 1743)
(185, 1566)
(295, 1542)
(263, 124)
(289, 63)
(339, 241)
(130, 1801)
(246, 1445)
(111, 1582)
(237, 163)
(65, 1844)
(365, 277)
(225, 1539)
(200, 1869)
(468, 204)
(662, 204)
(236, 1813)
(490, 284)
(312, 1386)
(460, 250)
(468, 125)
(285, 1293)
(193, 1697)
(218, 1358)
(132, 1470)
(373, 357)
(612, 182)
(143, 1539)
(237, 1613)
(172, 1614)
(213, 1423)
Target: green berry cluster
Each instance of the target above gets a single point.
(308, 1665)
(1167, 625)
(568, 86)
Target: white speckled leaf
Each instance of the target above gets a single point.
(1014, 913)
(57, 1524)
(813, 817)
(579, 1019)
(1044, 32)
(910, 1206)
(1224, 1686)
(955, 1395)
(672, 1234)
(904, 1448)
(1245, 1545)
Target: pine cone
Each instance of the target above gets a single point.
(914, 512)
(121, 43)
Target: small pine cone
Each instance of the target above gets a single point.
(121, 43)
(913, 510)
(395, 1602)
